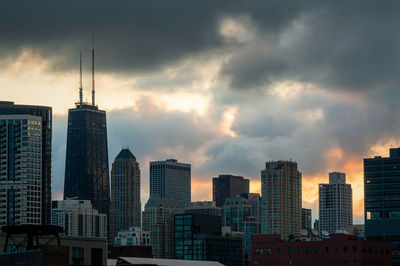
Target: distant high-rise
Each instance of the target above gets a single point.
(86, 166)
(78, 218)
(228, 186)
(171, 180)
(25, 163)
(125, 211)
(335, 204)
(158, 218)
(306, 219)
(281, 199)
(203, 207)
(382, 200)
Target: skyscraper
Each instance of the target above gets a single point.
(306, 219)
(171, 180)
(335, 204)
(382, 200)
(125, 211)
(86, 166)
(158, 218)
(281, 199)
(228, 186)
(25, 163)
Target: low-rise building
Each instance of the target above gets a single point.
(341, 249)
(133, 237)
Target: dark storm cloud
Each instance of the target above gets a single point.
(130, 35)
(351, 45)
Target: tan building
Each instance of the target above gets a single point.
(125, 209)
(281, 199)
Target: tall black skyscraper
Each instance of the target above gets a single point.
(86, 167)
(9, 108)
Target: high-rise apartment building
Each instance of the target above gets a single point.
(25, 162)
(86, 166)
(203, 207)
(125, 211)
(335, 204)
(171, 180)
(158, 219)
(382, 200)
(281, 199)
(306, 219)
(228, 186)
(20, 169)
(78, 218)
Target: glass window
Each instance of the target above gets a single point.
(290, 250)
(77, 256)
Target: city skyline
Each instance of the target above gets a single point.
(214, 95)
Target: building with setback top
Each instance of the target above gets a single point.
(125, 210)
(27, 161)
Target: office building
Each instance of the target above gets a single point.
(79, 219)
(22, 162)
(340, 249)
(86, 165)
(198, 237)
(306, 219)
(134, 236)
(21, 170)
(281, 199)
(171, 180)
(158, 219)
(254, 200)
(382, 200)
(203, 207)
(335, 204)
(125, 210)
(228, 186)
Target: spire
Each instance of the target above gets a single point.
(93, 102)
(80, 78)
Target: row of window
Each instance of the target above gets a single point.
(316, 250)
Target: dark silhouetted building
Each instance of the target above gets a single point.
(203, 207)
(306, 219)
(382, 200)
(25, 154)
(198, 237)
(228, 186)
(171, 180)
(125, 211)
(341, 249)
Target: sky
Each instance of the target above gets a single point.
(224, 86)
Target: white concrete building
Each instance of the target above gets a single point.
(335, 204)
(78, 218)
(133, 237)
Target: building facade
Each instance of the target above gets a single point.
(306, 219)
(125, 210)
(6, 160)
(203, 207)
(382, 200)
(171, 180)
(228, 186)
(198, 237)
(335, 204)
(79, 219)
(132, 237)
(20, 170)
(158, 219)
(281, 199)
(341, 249)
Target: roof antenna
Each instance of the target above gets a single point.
(93, 102)
(80, 78)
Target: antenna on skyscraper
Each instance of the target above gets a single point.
(93, 102)
(80, 78)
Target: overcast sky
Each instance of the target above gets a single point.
(223, 85)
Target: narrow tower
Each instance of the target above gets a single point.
(80, 78)
(93, 102)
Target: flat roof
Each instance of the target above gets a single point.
(168, 262)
